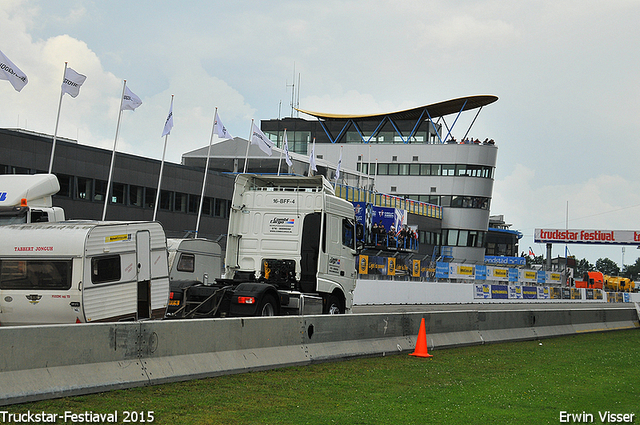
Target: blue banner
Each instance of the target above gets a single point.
(513, 275)
(505, 261)
(542, 277)
(499, 291)
(378, 222)
(442, 270)
(529, 292)
(481, 272)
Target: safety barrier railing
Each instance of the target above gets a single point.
(356, 194)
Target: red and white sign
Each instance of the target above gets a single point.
(588, 236)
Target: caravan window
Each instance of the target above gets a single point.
(186, 263)
(35, 274)
(105, 269)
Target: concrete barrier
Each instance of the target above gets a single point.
(41, 362)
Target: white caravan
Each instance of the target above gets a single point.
(82, 271)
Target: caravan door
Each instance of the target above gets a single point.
(143, 253)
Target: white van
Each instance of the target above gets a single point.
(82, 271)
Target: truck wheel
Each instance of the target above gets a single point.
(267, 307)
(333, 305)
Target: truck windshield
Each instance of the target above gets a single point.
(13, 215)
(35, 274)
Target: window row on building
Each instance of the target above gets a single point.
(94, 190)
(414, 169)
(83, 188)
(298, 141)
(465, 238)
(455, 201)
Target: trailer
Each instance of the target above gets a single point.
(82, 271)
(291, 249)
(191, 262)
(27, 198)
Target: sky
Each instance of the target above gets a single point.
(566, 72)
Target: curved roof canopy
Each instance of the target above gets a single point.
(440, 109)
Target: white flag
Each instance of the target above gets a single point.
(130, 101)
(286, 150)
(312, 157)
(260, 139)
(72, 82)
(10, 72)
(220, 129)
(339, 165)
(168, 124)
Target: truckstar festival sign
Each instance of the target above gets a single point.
(603, 237)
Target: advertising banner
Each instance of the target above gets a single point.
(499, 291)
(575, 294)
(481, 272)
(415, 270)
(588, 293)
(556, 293)
(363, 264)
(378, 221)
(529, 292)
(377, 265)
(442, 270)
(482, 291)
(515, 292)
(555, 278)
(603, 237)
(497, 273)
(528, 276)
(543, 292)
(500, 260)
(461, 271)
(513, 275)
(391, 267)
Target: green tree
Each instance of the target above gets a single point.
(608, 267)
(632, 271)
(538, 259)
(582, 267)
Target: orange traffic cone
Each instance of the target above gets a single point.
(421, 344)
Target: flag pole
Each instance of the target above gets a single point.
(246, 156)
(206, 172)
(280, 160)
(155, 205)
(335, 183)
(113, 154)
(55, 133)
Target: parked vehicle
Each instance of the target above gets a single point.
(82, 271)
(26, 198)
(191, 262)
(291, 249)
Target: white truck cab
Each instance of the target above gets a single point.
(26, 198)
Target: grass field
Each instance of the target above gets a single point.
(528, 382)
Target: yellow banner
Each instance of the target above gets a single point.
(391, 269)
(500, 272)
(465, 270)
(363, 264)
(117, 238)
(530, 275)
(416, 268)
